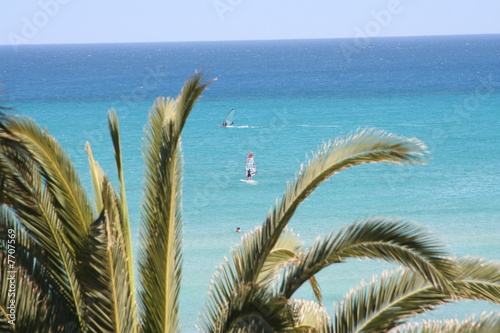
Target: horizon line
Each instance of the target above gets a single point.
(250, 40)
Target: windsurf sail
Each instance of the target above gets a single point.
(250, 166)
(229, 119)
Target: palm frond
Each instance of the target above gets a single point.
(398, 295)
(104, 273)
(67, 193)
(160, 257)
(97, 176)
(125, 223)
(30, 309)
(38, 212)
(478, 279)
(253, 310)
(366, 146)
(396, 241)
(486, 323)
(16, 166)
(310, 317)
(386, 302)
(123, 207)
(287, 248)
(36, 302)
(252, 307)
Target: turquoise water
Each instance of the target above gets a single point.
(290, 96)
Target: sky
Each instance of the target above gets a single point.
(119, 21)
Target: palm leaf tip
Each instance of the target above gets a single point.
(486, 323)
(381, 146)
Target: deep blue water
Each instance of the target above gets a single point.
(290, 96)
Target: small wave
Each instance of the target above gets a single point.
(246, 126)
(318, 125)
(242, 126)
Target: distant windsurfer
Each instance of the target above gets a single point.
(229, 119)
(250, 166)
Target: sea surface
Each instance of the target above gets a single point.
(290, 96)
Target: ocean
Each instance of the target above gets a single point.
(290, 96)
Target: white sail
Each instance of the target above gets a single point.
(250, 166)
(229, 119)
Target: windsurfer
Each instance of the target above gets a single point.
(250, 166)
(229, 119)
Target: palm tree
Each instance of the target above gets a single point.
(73, 259)
(71, 266)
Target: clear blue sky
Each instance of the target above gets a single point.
(105, 21)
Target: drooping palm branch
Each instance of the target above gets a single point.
(478, 279)
(59, 176)
(41, 186)
(366, 146)
(396, 241)
(396, 296)
(75, 269)
(25, 180)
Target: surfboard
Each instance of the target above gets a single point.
(250, 181)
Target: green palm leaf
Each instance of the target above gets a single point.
(112, 249)
(105, 275)
(478, 279)
(398, 295)
(59, 175)
(366, 146)
(35, 300)
(310, 317)
(160, 257)
(124, 217)
(386, 302)
(31, 309)
(97, 176)
(287, 249)
(33, 206)
(486, 323)
(395, 241)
